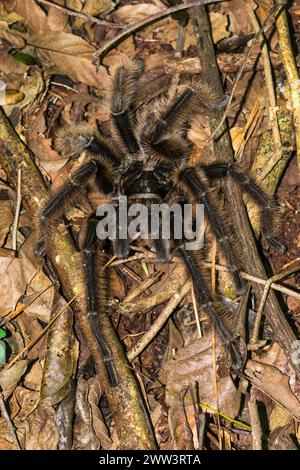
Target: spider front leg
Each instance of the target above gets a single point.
(96, 287)
(220, 170)
(73, 139)
(195, 185)
(163, 130)
(58, 203)
(192, 262)
(64, 195)
(123, 90)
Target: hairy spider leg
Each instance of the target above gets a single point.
(220, 170)
(121, 244)
(122, 103)
(170, 115)
(191, 261)
(96, 295)
(161, 245)
(162, 248)
(57, 201)
(75, 138)
(195, 185)
(93, 262)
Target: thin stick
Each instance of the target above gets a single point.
(292, 74)
(9, 422)
(277, 277)
(39, 336)
(100, 53)
(7, 253)
(216, 389)
(84, 16)
(142, 286)
(213, 268)
(17, 213)
(159, 322)
(249, 277)
(130, 259)
(196, 314)
(256, 430)
(277, 155)
(274, 12)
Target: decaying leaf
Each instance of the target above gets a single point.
(9, 378)
(39, 431)
(89, 429)
(191, 365)
(61, 357)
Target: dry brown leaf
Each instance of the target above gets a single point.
(275, 384)
(72, 55)
(133, 13)
(90, 431)
(11, 37)
(33, 379)
(23, 402)
(219, 24)
(33, 14)
(278, 418)
(237, 135)
(6, 442)
(193, 364)
(7, 218)
(39, 431)
(9, 378)
(32, 86)
(58, 20)
(10, 65)
(93, 8)
(18, 273)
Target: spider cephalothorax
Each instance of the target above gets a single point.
(147, 159)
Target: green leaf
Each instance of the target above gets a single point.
(145, 268)
(2, 352)
(24, 58)
(2, 333)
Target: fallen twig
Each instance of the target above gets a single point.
(277, 277)
(223, 151)
(263, 282)
(256, 430)
(159, 322)
(84, 16)
(17, 212)
(273, 13)
(101, 53)
(292, 74)
(277, 154)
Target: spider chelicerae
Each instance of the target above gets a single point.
(146, 158)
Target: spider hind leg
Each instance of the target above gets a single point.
(193, 263)
(96, 287)
(268, 208)
(194, 183)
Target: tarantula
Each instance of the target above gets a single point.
(147, 159)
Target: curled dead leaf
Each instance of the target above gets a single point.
(72, 55)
